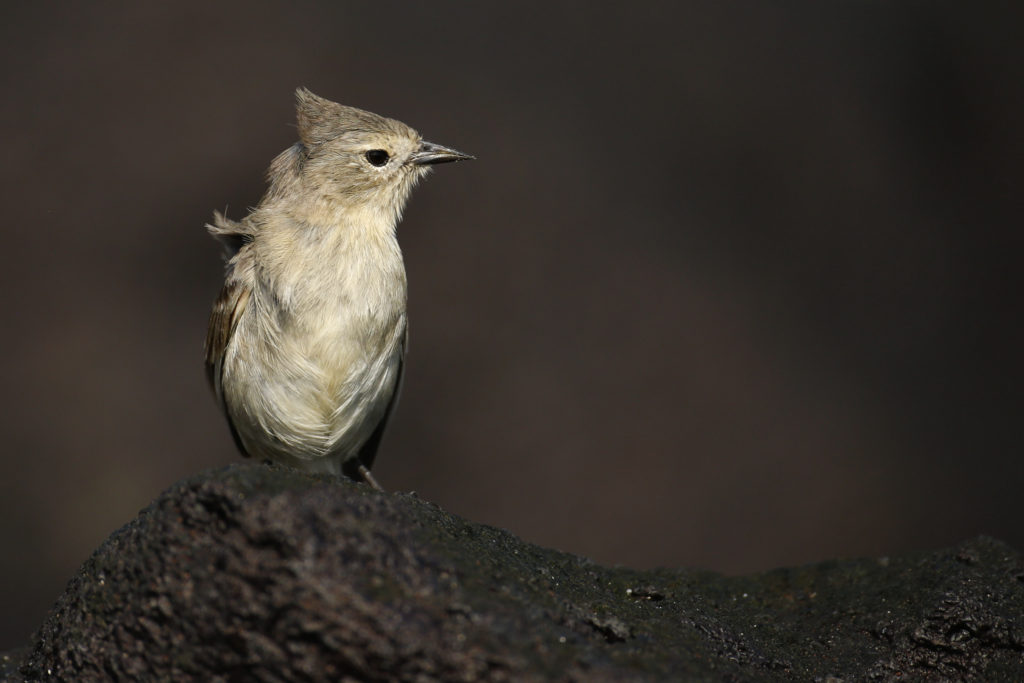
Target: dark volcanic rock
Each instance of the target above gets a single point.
(259, 573)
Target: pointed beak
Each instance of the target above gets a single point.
(429, 153)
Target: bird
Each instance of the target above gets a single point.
(305, 349)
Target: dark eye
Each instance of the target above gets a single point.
(377, 157)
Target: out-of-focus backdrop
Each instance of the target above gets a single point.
(731, 285)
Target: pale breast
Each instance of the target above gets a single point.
(315, 360)
(311, 389)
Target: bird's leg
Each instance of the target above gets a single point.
(368, 478)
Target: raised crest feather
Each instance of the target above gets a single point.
(320, 120)
(316, 117)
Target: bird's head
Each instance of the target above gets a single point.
(360, 159)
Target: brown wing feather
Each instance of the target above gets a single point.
(231, 303)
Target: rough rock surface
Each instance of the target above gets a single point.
(259, 573)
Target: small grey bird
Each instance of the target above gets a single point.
(306, 342)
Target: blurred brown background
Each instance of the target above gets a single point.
(731, 285)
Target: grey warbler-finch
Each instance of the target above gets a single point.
(307, 339)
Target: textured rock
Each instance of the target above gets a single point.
(259, 573)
